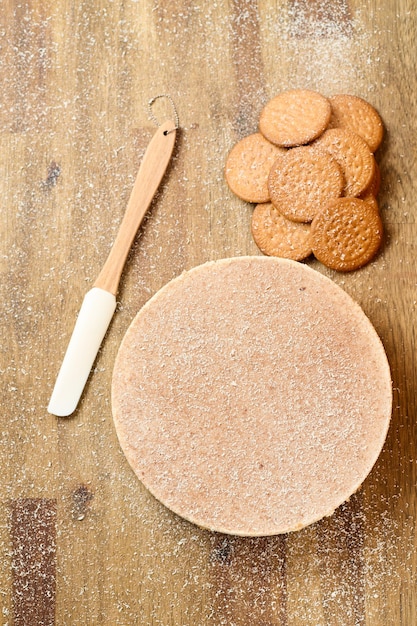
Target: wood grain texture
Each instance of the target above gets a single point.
(76, 79)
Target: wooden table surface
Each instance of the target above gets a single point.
(81, 541)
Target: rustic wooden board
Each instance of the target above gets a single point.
(81, 541)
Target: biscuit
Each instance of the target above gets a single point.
(302, 180)
(357, 115)
(353, 155)
(295, 117)
(248, 165)
(275, 235)
(375, 183)
(346, 234)
(371, 200)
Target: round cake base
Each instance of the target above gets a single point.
(251, 396)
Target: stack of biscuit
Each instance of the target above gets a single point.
(312, 174)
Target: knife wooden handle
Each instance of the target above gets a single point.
(150, 174)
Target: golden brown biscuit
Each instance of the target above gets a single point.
(357, 115)
(295, 117)
(346, 234)
(371, 200)
(275, 235)
(353, 155)
(302, 180)
(375, 183)
(248, 165)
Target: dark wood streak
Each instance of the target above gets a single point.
(249, 580)
(354, 533)
(54, 171)
(248, 66)
(30, 35)
(340, 549)
(81, 499)
(33, 538)
(315, 18)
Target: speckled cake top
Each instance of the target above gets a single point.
(251, 395)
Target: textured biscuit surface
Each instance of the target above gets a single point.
(346, 234)
(248, 165)
(295, 117)
(357, 115)
(374, 184)
(353, 155)
(251, 396)
(275, 235)
(302, 180)
(371, 200)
